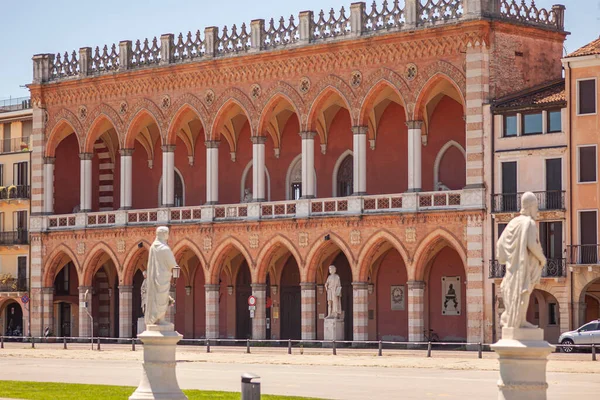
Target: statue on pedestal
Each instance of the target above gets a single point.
(519, 248)
(160, 263)
(333, 286)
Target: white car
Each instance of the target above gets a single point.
(587, 334)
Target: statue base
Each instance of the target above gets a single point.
(523, 355)
(141, 325)
(159, 378)
(333, 330)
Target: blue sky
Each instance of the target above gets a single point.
(39, 26)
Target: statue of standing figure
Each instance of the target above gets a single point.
(161, 262)
(333, 286)
(144, 291)
(520, 250)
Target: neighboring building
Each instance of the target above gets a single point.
(15, 180)
(363, 147)
(582, 69)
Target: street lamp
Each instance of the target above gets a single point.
(176, 272)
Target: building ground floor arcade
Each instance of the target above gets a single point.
(401, 276)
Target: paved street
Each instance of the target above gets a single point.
(449, 377)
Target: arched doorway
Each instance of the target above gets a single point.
(66, 301)
(591, 300)
(105, 301)
(345, 177)
(291, 320)
(345, 273)
(392, 300)
(179, 190)
(13, 319)
(543, 311)
(136, 302)
(243, 290)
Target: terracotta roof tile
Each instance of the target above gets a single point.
(548, 94)
(587, 50)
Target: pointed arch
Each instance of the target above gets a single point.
(319, 104)
(373, 246)
(142, 118)
(336, 168)
(271, 109)
(440, 155)
(184, 106)
(369, 100)
(245, 176)
(91, 263)
(63, 128)
(431, 87)
(131, 260)
(228, 244)
(296, 163)
(52, 263)
(230, 98)
(428, 249)
(101, 124)
(269, 249)
(317, 249)
(180, 248)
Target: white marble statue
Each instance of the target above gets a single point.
(247, 196)
(160, 263)
(442, 187)
(333, 286)
(144, 292)
(520, 250)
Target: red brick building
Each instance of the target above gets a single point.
(273, 150)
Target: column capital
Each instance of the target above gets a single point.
(49, 160)
(126, 152)
(414, 124)
(308, 285)
(258, 139)
(86, 156)
(169, 148)
(84, 288)
(212, 144)
(48, 290)
(307, 135)
(360, 285)
(360, 130)
(258, 286)
(415, 285)
(212, 287)
(125, 288)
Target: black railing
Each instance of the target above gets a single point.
(14, 145)
(584, 254)
(13, 285)
(16, 104)
(15, 237)
(15, 192)
(554, 268)
(511, 202)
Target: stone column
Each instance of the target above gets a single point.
(308, 164)
(49, 185)
(360, 160)
(414, 155)
(308, 310)
(212, 311)
(85, 323)
(360, 311)
(85, 188)
(474, 269)
(258, 168)
(126, 178)
(125, 311)
(212, 171)
(416, 310)
(168, 176)
(259, 322)
(47, 310)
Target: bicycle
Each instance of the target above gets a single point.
(431, 336)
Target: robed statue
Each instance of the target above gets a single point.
(160, 263)
(144, 292)
(519, 249)
(333, 286)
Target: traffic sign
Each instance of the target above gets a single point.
(251, 301)
(269, 302)
(25, 299)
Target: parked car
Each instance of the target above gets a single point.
(587, 334)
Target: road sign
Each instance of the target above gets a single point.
(25, 299)
(251, 301)
(269, 302)
(251, 308)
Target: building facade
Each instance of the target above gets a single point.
(15, 180)
(272, 151)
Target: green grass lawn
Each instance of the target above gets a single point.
(69, 391)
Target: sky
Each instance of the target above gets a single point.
(38, 26)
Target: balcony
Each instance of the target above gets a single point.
(14, 145)
(547, 201)
(554, 268)
(14, 238)
(13, 285)
(16, 104)
(584, 254)
(460, 200)
(15, 192)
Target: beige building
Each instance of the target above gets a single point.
(15, 193)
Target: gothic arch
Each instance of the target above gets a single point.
(440, 155)
(326, 87)
(366, 103)
(187, 102)
(295, 165)
(268, 250)
(228, 98)
(186, 244)
(143, 107)
(50, 268)
(426, 250)
(372, 246)
(99, 125)
(245, 176)
(336, 168)
(434, 73)
(280, 92)
(90, 265)
(131, 260)
(61, 126)
(317, 248)
(229, 243)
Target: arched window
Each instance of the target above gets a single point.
(296, 180)
(345, 177)
(179, 195)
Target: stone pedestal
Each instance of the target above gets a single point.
(141, 325)
(159, 379)
(334, 330)
(523, 355)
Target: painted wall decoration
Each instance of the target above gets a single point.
(397, 297)
(451, 295)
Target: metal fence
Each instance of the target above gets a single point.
(554, 268)
(15, 192)
(14, 285)
(584, 254)
(511, 202)
(14, 237)
(16, 104)
(14, 145)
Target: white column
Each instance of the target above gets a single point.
(85, 187)
(360, 159)
(168, 176)
(49, 185)
(125, 311)
(212, 171)
(414, 155)
(85, 322)
(308, 164)
(212, 311)
(259, 322)
(258, 168)
(126, 180)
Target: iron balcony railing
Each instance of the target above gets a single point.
(554, 268)
(16, 104)
(15, 192)
(14, 145)
(584, 254)
(13, 285)
(20, 236)
(511, 202)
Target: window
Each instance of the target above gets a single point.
(21, 271)
(7, 137)
(588, 237)
(501, 228)
(532, 124)
(551, 239)
(593, 326)
(1, 222)
(510, 125)
(586, 96)
(552, 314)
(1, 175)
(554, 121)
(20, 175)
(20, 220)
(61, 283)
(587, 164)
(345, 177)
(296, 190)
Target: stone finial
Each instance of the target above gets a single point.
(85, 60)
(257, 32)
(410, 13)
(306, 26)
(210, 41)
(124, 54)
(166, 48)
(357, 15)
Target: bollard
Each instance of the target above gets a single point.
(208, 345)
(480, 349)
(301, 348)
(334, 349)
(429, 349)
(32, 342)
(132, 344)
(1, 342)
(250, 390)
(64, 343)
(98, 343)
(594, 352)
(289, 346)
(248, 346)
(380, 349)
